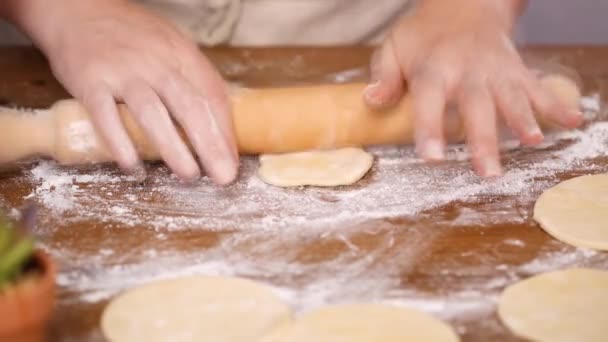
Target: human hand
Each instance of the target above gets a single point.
(460, 53)
(105, 51)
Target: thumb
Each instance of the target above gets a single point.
(387, 84)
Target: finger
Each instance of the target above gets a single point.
(479, 114)
(202, 75)
(549, 106)
(428, 100)
(386, 87)
(151, 114)
(514, 105)
(104, 115)
(193, 112)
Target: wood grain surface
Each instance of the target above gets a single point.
(453, 257)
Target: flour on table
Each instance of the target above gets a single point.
(266, 226)
(400, 185)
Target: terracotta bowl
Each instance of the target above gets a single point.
(26, 309)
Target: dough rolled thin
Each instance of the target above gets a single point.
(576, 211)
(194, 309)
(560, 306)
(319, 168)
(365, 323)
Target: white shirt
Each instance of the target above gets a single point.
(281, 22)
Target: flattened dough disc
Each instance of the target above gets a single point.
(320, 168)
(561, 306)
(365, 323)
(194, 309)
(576, 211)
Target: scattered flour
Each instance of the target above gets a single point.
(267, 225)
(399, 185)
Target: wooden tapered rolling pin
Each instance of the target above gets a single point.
(265, 120)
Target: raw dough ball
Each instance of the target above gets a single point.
(197, 308)
(576, 211)
(365, 323)
(563, 88)
(562, 306)
(321, 168)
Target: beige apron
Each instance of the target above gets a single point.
(281, 22)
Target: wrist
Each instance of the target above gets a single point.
(35, 18)
(43, 21)
(511, 9)
(502, 12)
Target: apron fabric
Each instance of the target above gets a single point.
(281, 22)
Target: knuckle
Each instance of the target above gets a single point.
(165, 80)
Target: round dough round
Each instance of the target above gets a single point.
(365, 323)
(319, 168)
(576, 211)
(561, 306)
(197, 308)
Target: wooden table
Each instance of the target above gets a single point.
(452, 267)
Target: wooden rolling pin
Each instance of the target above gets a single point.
(266, 121)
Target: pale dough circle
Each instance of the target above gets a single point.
(365, 323)
(576, 211)
(561, 306)
(319, 168)
(197, 308)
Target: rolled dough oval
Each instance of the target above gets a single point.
(365, 323)
(196, 308)
(576, 211)
(561, 306)
(319, 168)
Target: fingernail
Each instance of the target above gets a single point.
(433, 150)
(138, 172)
(535, 131)
(226, 164)
(491, 168)
(577, 118)
(226, 170)
(535, 135)
(371, 93)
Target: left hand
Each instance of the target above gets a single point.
(461, 52)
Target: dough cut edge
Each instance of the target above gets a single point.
(112, 335)
(586, 243)
(285, 333)
(509, 294)
(542, 215)
(275, 179)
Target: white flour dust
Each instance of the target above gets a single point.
(399, 186)
(268, 226)
(345, 280)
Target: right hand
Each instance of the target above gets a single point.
(460, 53)
(105, 51)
